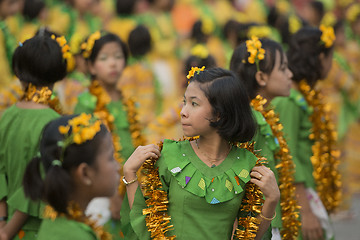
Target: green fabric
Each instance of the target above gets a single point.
(268, 144)
(114, 228)
(80, 77)
(10, 42)
(87, 103)
(62, 228)
(199, 208)
(19, 138)
(294, 115)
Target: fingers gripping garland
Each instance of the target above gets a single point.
(286, 169)
(158, 220)
(325, 157)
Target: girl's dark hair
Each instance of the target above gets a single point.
(230, 103)
(125, 7)
(39, 61)
(56, 186)
(32, 9)
(246, 71)
(107, 38)
(139, 41)
(197, 34)
(303, 55)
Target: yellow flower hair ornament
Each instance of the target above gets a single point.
(327, 36)
(257, 53)
(65, 49)
(353, 12)
(88, 45)
(194, 70)
(200, 51)
(83, 128)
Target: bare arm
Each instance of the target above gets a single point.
(3, 212)
(311, 227)
(133, 164)
(13, 226)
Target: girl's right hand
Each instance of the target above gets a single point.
(265, 179)
(139, 156)
(311, 227)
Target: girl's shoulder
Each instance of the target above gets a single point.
(63, 228)
(193, 175)
(295, 101)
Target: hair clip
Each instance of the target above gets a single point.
(56, 163)
(327, 36)
(194, 70)
(88, 45)
(257, 53)
(84, 128)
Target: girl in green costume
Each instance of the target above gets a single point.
(76, 164)
(106, 56)
(38, 63)
(203, 177)
(271, 78)
(310, 58)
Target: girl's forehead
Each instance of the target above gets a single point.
(195, 89)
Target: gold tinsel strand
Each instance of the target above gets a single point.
(74, 213)
(289, 206)
(251, 203)
(325, 157)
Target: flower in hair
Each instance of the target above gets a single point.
(327, 36)
(256, 52)
(194, 70)
(200, 51)
(65, 49)
(89, 44)
(84, 128)
(353, 12)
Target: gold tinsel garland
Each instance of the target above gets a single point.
(286, 169)
(103, 113)
(42, 96)
(325, 157)
(158, 220)
(74, 213)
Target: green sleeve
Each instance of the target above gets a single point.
(3, 181)
(290, 118)
(86, 103)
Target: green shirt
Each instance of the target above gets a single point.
(203, 202)
(294, 115)
(268, 145)
(87, 104)
(62, 228)
(19, 139)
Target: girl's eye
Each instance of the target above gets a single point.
(119, 56)
(194, 104)
(102, 58)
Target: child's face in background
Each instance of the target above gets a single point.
(83, 6)
(279, 81)
(10, 7)
(106, 177)
(109, 64)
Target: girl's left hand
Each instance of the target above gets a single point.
(265, 179)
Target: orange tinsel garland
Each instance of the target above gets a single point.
(42, 96)
(158, 220)
(286, 169)
(74, 213)
(325, 157)
(103, 113)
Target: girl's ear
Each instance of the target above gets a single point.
(84, 173)
(261, 78)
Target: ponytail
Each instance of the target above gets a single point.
(32, 181)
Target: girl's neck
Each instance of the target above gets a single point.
(213, 146)
(31, 105)
(113, 92)
(78, 198)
